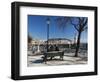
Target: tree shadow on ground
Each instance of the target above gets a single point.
(38, 61)
(55, 59)
(83, 59)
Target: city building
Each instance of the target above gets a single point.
(59, 41)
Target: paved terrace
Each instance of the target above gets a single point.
(69, 59)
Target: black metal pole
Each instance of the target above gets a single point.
(47, 37)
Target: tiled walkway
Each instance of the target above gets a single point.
(67, 60)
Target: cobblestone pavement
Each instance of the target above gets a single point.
(69, 59)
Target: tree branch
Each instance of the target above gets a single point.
(84, 28)
(85, 22)
(75, 26)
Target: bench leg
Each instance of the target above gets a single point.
(61, 57)
(45, 59)
(51, 58)
(45, 62)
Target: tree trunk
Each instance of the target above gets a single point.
(78, 44)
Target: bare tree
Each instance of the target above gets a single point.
(79, 23)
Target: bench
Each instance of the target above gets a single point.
(52, 54)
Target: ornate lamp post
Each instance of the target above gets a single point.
(48, 25)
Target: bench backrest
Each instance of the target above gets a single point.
(54, 53)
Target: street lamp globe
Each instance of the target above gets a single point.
(48, 20)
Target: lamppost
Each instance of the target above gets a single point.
(48, 25)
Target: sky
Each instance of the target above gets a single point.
(37, 29)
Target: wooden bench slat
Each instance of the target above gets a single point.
(53, 54)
